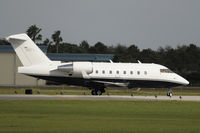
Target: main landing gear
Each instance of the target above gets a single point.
(97, 91)
(169, 92)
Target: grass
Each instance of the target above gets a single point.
(74, 116)
(53, 90)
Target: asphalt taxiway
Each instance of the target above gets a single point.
(88, 97)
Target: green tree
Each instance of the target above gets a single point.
(84, 46)
(47, 42)
(34, 33)
(149, 56)
(57, 39)
(120, 53)
(4, 42)
(69, 48)
(99, 47)
(133, 52)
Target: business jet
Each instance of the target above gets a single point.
(94, 75)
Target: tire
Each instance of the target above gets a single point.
(93, 92)
(169, 94)
(99, 92)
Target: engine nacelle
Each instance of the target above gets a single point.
(78, 67)
(66, 67)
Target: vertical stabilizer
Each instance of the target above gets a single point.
(27, 51)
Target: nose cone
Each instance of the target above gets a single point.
(184, 81)
(180, 80)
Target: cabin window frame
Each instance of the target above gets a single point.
(138, 72)
(131, 72)
(110, 72)
(145, 72)
(124, 72)
(117, 72)
(103, 72)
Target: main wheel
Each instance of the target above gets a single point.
(93, 92)
(99, 92)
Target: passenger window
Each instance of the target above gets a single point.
(124, 72)
(131, 72)
(138, 72)
(145, 72)
(96, 71)
(117, 72)
(103, 72)
(110, 72)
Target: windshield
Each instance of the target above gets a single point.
(166, 71)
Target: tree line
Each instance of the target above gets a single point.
(184, 60)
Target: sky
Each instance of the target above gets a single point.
(145, 23)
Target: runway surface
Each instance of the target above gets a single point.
(88, 97)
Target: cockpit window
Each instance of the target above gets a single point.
(166, 71)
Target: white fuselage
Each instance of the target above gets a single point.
(101, 72)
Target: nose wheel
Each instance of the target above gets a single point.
(169, 92)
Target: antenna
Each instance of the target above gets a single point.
(111, 61)
(139, 62)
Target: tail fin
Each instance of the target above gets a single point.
(27, 51)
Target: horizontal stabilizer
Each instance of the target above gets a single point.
(16, 37)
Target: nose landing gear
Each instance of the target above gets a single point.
(169, 92)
